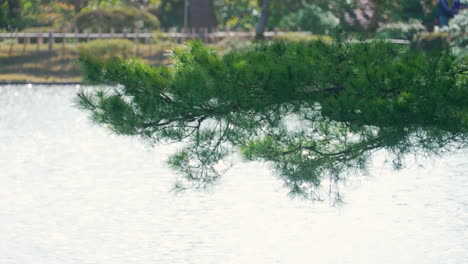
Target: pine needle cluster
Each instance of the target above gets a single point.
(315, 111)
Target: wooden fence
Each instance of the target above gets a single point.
(75, 37)
(204, 34)
(27, 40)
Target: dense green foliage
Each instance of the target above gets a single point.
(458, 29)
(116, 18)
(313, 15)
(406, 10)
(316, 112)
(10, 11)
(311, 18)
(237, 14)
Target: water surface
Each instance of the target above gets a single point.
(71, 192)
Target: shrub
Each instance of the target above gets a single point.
(311, 18)
(117, 18)
(401, 30)
(431, 42)
(108, 48)
(458, 29)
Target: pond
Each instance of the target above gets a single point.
(72, 192)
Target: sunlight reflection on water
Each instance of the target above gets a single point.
(71, 192)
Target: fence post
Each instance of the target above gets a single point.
(227, 33)
(64, 41)
(51, 40)
(205, 34)
(240, 34)
(148, 43)
(76, 36)
(252, 34)
(275, 31)
(194, 33)
(39, 41)
(180, 37)
(137, 42)
(25, 42)
(212, 34)
(12, 43)
(183, 34)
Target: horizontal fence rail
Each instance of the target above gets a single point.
(49, 56)
(141, 39)
(170, 35)
(138, 35)
(54, 38)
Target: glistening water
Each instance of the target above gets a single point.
(72, 192)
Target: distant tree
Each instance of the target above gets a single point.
(262, 22)
(118, 18)
(171, 12)
(237, 14)
(78, 4)
(423, 10)
(343, 102)
(311, 17)
(367, 15)
(202, 14)
(11, 13)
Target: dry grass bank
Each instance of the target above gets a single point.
(30, 63)
(33, 63)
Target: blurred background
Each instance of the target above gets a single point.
(40, 39)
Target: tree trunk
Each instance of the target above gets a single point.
(14, 9)
(374, 21)
(78, 5)
(259, 34)
(202, 14)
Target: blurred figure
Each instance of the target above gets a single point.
(457, 6)
(445, 13)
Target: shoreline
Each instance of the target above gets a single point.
(40, 83)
